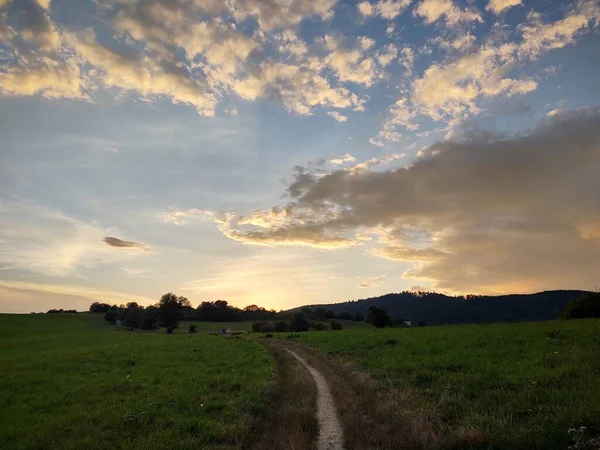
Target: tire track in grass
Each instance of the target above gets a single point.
(331, 436)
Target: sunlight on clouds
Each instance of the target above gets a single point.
(387, 9)
(479, 215)
(337, 116)
(497, 6)
(42, 240)
(433, 10)
(371, 282)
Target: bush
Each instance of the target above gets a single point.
(320, 326)
(111, 316)
(358, 317)
(299, 322)
(266, 328)
(268, 335)
(192, 329)
(133, 318)
(345, 316)
(586, 306)
(281, 326)
(336, 326)
(257, 326)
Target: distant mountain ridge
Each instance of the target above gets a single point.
(441, 309)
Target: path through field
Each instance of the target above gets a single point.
(331, 436)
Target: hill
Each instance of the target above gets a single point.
(440, 309)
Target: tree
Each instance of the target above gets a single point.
(346, 316)
(320, 312)
(299, 322)
(280, 326)
(379, 317)
(307, 311)
(149, 320)
(358, 317)
(133, 318)
(329, 314)
(111, 316)
(586, 306)
(98, 307)
(169, 308)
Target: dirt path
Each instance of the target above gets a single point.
(331, 436)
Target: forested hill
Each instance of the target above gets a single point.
(438, 309)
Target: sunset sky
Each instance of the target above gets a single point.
(288, 152)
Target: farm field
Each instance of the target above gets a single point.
(69, 384)
(508, 385)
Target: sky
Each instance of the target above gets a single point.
(291, 152)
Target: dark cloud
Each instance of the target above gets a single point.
(115, 242)
(486, 213)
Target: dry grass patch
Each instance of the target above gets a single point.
(290, 421)
(376, 415)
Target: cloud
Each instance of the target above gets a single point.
(497, 6)
(451, 89)
(138, 73)
(483, 214)
(337, 116)
(48, 77)
(540, 37)
(343, 159)
(371, 282)
(189, 215)
(386, 9)
(115, 242)
(42, 240)
(35, 25)
(433, 10)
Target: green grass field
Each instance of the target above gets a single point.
(520, 385)
(69, 384)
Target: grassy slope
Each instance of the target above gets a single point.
(521, 385)
(67, 383)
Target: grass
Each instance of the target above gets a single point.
(501, 386)
(68, 384)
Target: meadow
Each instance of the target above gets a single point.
(509, 386)
(68, 383)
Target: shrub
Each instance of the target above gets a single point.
(358, 317)
(266, 328)
(319, 326)
(281, 326)
(336, 326)
(149, 319)
(192, 329)
(586, 306)
(299, 322)
(268, 335)
(257, 326)
(133, 318)
(111, 316)
(345, 316)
